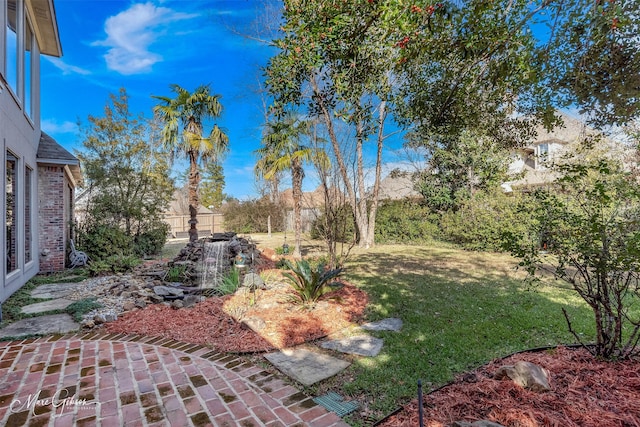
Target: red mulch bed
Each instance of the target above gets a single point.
(211, 322)
(585, 393)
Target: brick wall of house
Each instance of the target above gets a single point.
(51, 217)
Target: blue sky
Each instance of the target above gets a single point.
(146, 46)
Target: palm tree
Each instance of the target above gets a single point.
(281, 150)
(182, 119)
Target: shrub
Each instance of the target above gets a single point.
(252, 216)
(482, 221)
(592, 240)
(592, 235)
(101, 241)
(113, 264)
(405, 221)
(152, 239)
(336, 226)
(308, 283)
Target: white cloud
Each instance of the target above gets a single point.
(131, 33)
(66, 68)
(51, 126)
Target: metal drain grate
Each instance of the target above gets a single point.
(335, 403)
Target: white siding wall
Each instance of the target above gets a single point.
(19, 134)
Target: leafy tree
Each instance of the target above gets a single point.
(456, 170)
(593, 59)
(332, 61)
(438, 68)
(588, 227)
(282, 151)
(127, 183)
(182, 134)
(468, 67)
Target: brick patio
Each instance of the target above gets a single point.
(111, 380)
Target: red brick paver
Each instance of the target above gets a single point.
(116, 379)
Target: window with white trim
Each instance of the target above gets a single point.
(11, 40)
(11, 195)
(28, 226)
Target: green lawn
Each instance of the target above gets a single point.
(460, 310)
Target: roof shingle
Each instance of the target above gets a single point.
(50, 151)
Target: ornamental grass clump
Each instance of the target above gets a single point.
(309, 283)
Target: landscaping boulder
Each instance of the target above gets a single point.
(191, 300)
(168, 291)
(526, 374)
(253, 281)
(254, 323)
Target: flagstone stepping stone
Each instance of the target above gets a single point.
(42, 325)
(44, 306)
(389, 324)
(54, 290)
(362, 345)
(305, 366)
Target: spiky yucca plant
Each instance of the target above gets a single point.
(308, 283)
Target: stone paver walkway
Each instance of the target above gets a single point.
(105, 380)
(40, 325)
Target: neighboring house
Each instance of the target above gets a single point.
(398, 185)
(530, 163)
(40, 176)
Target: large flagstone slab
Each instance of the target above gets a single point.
(42, 325)
(54, 290)
(362, 345)
(388, 324)
(305, 366)
(44, 306)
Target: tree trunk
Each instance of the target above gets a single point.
(362, 219)
(373, 209)
(194, 178)
(342, 167)
(296, 180)
(364, 214)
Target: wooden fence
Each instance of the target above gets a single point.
(207, 223)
